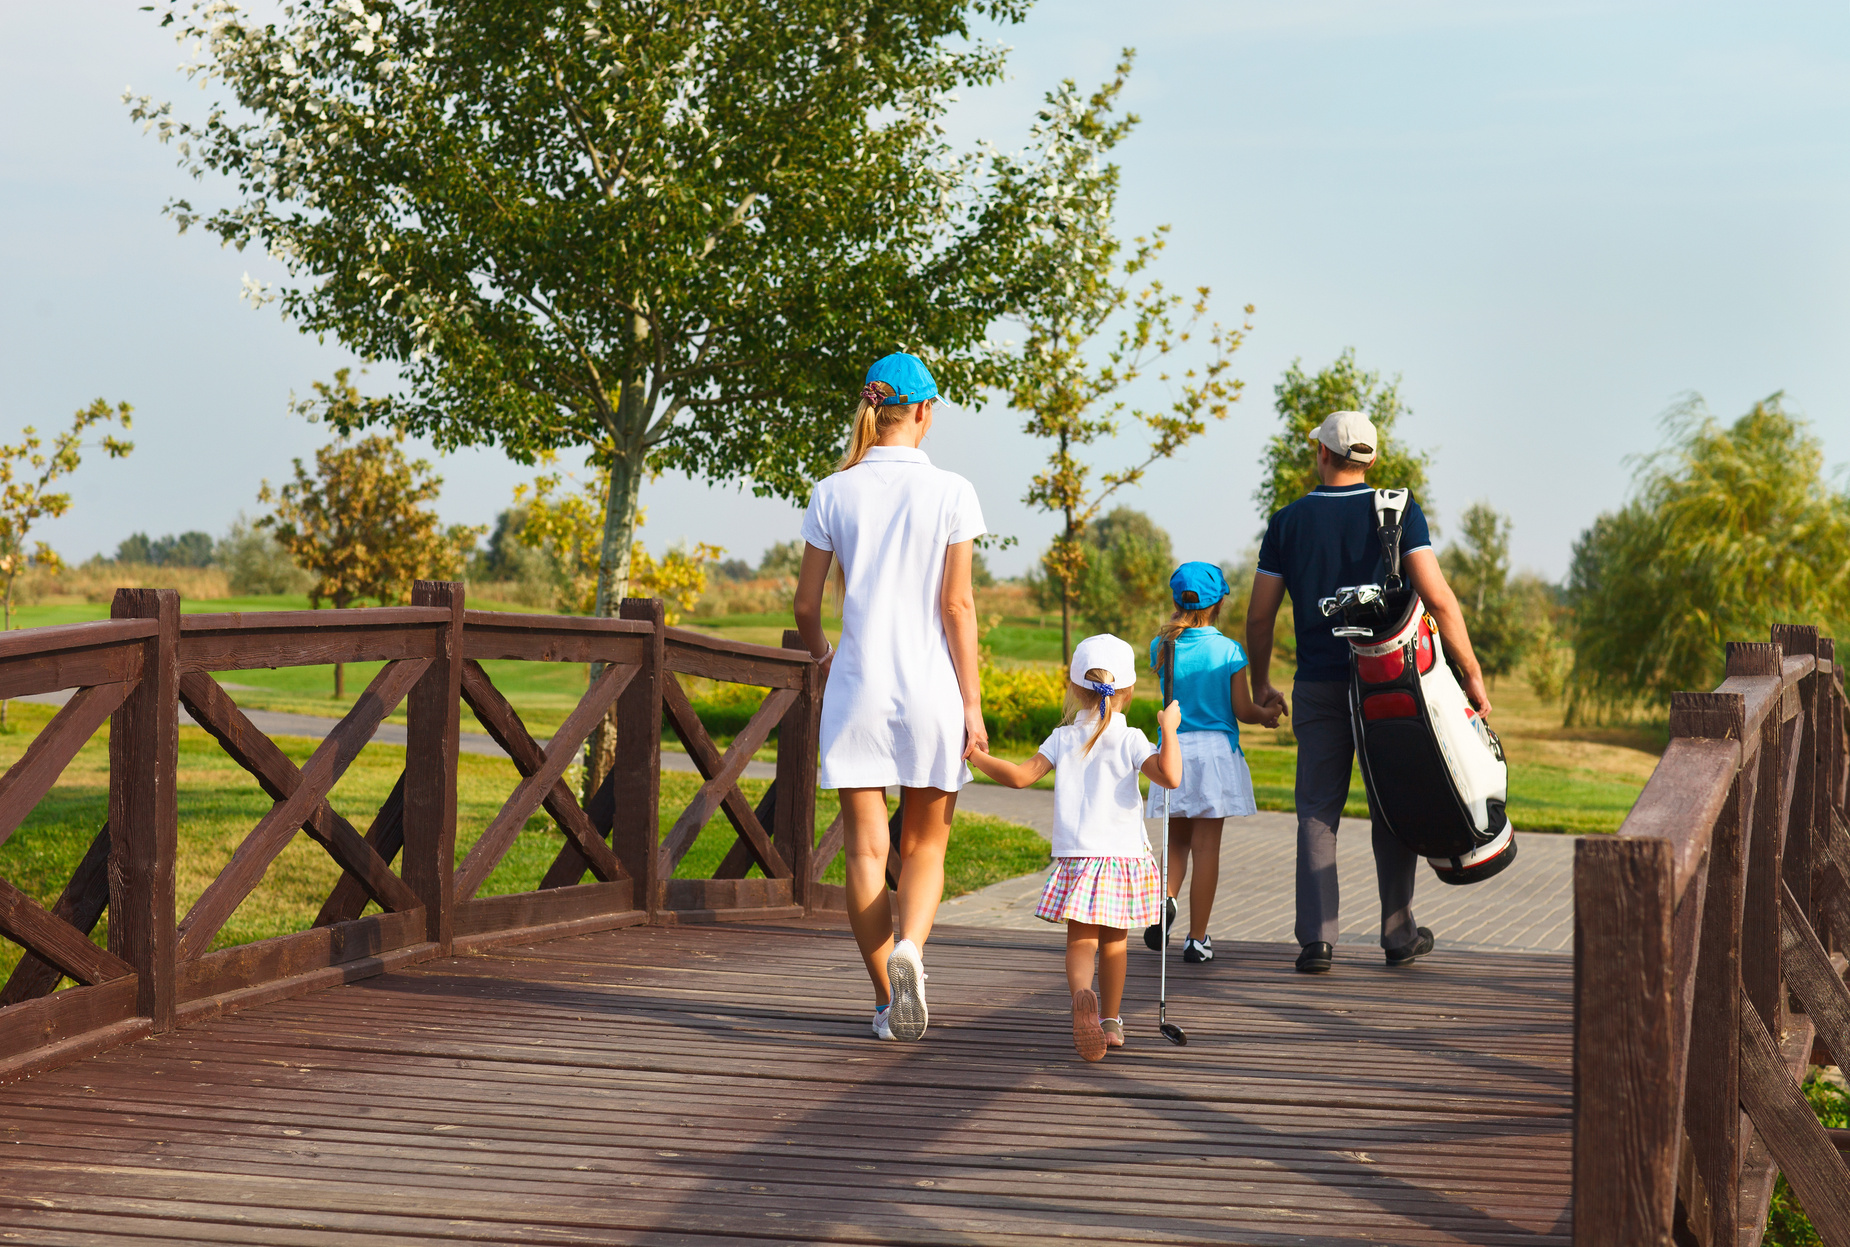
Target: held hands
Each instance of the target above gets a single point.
(976, 734)
(1269, 702)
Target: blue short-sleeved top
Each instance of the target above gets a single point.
(1205, 662)
(1318, 544)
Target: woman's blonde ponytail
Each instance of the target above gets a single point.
(871, 421)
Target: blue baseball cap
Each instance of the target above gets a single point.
(1197, 586)
(907, 374)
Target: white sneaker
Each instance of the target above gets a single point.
(905, 976)
(880, 1028)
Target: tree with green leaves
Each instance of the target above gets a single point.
(1730, 529)
(28, 471)
(1080, 283)
(1125, 589)
(1303, 401)
(670, 235)
(189, 549)
(361, 526)
(1477, 566)
(255, 564)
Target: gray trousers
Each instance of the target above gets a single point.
(1326, 755)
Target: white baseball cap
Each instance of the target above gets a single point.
(1107, 653)
(1349, 434)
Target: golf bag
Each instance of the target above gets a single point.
(1433, 768)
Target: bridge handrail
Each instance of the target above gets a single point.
(138, 669)
(1707, 964)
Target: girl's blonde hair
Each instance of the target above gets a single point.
(1082, 700)
(1184, 619)
(871, 422)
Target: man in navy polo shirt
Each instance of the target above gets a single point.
(1325, 540)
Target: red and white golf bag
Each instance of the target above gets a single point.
(1433, 768)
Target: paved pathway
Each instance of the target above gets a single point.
(1530, 907)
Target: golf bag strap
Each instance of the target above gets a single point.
(1390, 514)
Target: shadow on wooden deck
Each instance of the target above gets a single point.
(703, 1086)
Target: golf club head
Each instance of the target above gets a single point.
(1175, 1034)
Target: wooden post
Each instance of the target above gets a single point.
(1625, 1103)
(144, 812)
(1830, 724)
(1711, 1102)
(435, 712)
(796, 776)
(636, 783)
(1796, 859)
(1760, 913)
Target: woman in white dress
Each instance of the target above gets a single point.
(903, 704)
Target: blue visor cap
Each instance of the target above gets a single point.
(907, 374)
(1197, 586)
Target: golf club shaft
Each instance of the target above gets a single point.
(1162, 917)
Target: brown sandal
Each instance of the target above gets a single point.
(1088, 1037)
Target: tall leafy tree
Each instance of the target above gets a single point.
(668, 234)
(359, 524)
(1478, 569)
(29, 473)
(1730, 529)
(1080, 286)
(1303, 400)
(1125, 590)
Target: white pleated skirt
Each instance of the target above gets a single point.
(1215, 781)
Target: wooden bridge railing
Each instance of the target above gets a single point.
(162, 969)
(1707, 965)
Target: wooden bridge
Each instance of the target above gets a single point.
(641, 1059)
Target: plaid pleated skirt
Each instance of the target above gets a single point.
(1119, 892)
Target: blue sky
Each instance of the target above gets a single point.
(1552, 220)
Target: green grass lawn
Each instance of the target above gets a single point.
(219, 803)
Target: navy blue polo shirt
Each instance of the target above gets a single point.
(1318, 544)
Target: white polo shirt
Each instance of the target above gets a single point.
(1097, 811)
(892, 712)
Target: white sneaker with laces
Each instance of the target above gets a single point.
(880, 1027)
(905, 976)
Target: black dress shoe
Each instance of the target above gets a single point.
(1153, 934)
(1407, 954)
(1315, 958)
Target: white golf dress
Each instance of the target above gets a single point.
(892, 712)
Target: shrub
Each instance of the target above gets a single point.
(1022, 703)
(255, 564)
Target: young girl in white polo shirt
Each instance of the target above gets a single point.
(1104, 880)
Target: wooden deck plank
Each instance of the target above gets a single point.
(710, 1086)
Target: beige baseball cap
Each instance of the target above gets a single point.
(1349, 434)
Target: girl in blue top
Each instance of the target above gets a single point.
(1210, 682)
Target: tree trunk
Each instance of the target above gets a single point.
(613, 573)
(340, 668)
(1066, 585)
(1066, 627)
